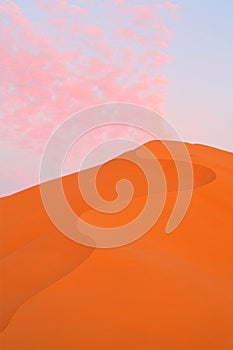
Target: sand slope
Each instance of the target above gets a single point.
(159, 292)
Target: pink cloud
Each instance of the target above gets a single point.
(160, 42)
(61, 6)
(126, 33)
(70, 60)
(171, 6)
(77, 9)
(163, 31)
(119, 2)
(93, 30)
(142, 14)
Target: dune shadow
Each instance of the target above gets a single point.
(36, 266)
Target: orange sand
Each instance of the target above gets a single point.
(159, 292)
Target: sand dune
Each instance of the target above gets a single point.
(159, 292)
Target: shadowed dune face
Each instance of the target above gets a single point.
(110, 173)
(35, 267)
(202, 175)
(160, 292)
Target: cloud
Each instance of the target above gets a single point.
(142, 14)
(171, 5)
(69, 57)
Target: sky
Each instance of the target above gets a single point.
(62, 56)
(199, 99)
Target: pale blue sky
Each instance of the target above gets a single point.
(199, 99)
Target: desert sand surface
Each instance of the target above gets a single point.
(163, 291)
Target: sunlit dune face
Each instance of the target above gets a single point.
(158, 292)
